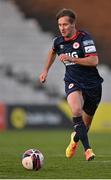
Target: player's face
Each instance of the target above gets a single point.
(66, 28)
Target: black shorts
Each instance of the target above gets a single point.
(92, 97)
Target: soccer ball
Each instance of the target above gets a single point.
(32, 159)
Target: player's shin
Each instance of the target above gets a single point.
(81, 132)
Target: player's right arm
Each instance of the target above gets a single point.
(50, 59)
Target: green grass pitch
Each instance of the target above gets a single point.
(52, 144)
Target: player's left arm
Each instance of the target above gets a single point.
(91, 60)
(87, 61)
(90, 54)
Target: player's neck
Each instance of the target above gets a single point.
(73, 33)
(71, 36)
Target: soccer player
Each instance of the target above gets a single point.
(77, 51)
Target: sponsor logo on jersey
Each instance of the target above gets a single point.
(88, 42)
(67, 63)
(72, 54)
(71, 85)
(76, 45)
(90, 49)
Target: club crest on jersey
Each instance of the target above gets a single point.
(71, 85)
(76, 45)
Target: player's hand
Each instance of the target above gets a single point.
(43, 76)
(64, 57)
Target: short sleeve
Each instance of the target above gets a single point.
(88, 45)
(54, 44)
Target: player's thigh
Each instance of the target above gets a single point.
(75, 101)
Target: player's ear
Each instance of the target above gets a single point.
(73, 25)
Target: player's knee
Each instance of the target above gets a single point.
(77, 111)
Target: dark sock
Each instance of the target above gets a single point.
(87, 129)
(81, 132)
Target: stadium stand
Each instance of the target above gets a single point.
(92, 16)
(23, 48)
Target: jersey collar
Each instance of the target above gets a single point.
(72, 37)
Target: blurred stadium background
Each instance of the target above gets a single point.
(27, 28)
